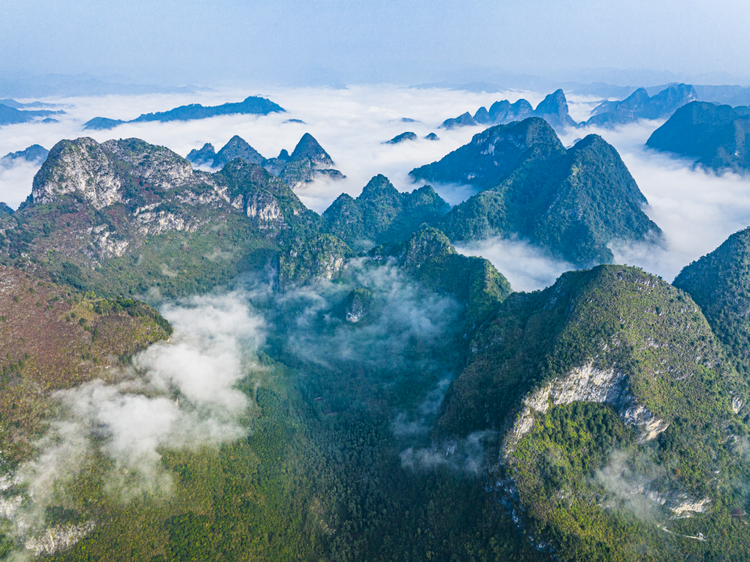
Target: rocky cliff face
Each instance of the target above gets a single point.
(95, 202)
(100, 173)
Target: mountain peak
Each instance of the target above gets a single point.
(308, 147)
(237, 147)
(554, 109)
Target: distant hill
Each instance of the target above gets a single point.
(308, 160)
(713, 136)
(35, 153)
(403, 137)
(22, 85)
(553, 109)
(639, 105)
(382, 214)
(13, 116)
(571, 202)
(252, 105)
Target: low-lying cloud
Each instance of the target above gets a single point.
(178, 394)
(351, 124)
(398, 311)
(696, 209)
(459, 455)
(526, 267)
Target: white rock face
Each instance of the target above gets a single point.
(90, 169)
(58, 538)
(585, 384)
(265, 210)
(736, 404)
(83, 168)
(688, 507)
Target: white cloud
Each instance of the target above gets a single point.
(180, 394)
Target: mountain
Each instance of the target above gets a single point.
(102, 124)
(714, 137)
(307, 162)
(23, 85)
(427, 256)
(203, 157)
(718, 283)
(408, 136)
(35, 153)
(12, 116)
(236, 147)
(254, 105)
(553, 109)
(493, 154)
(639, 105)
(390, 405)
(506, 112)
(63, 343)
(18, 105)
(571, 202)
(723, 95)
(432, 137)
(382, 214)
(123, 215)
(463, 120)
(309, 148)
(615, 419)
(5, 209)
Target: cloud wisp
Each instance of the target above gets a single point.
(180, 394)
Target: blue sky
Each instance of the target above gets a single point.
(377, 40)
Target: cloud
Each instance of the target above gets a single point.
(178, 394)
(400, 313)
(526, 267)
(696, 209)
(459, 455)
(351, 124)
(628, 480)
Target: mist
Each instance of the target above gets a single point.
(697, 210)
(180, 394)
(351, 124)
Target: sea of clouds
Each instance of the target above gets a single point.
(697, 210)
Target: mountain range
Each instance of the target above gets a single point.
(403, 403)
(10, 115)
(553, 109)
(254, 105)
(571, 202)
(639, 105)
(308, 160)
(35, 153)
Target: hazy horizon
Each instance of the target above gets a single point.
(333, 43)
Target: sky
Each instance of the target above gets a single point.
(294, 41)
